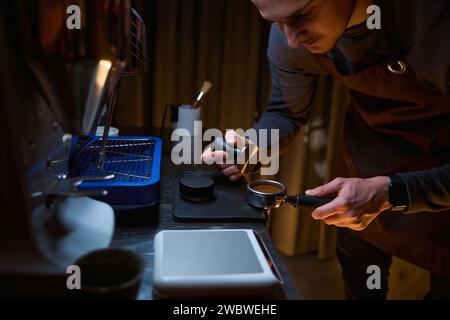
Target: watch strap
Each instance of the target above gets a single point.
(398, 193)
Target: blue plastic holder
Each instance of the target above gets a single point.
(135, 163)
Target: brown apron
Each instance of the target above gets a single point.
(397, 124)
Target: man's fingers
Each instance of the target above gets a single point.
(206, 153)
(329, 209)
(223, 166)
(328, 189)
(219, 158)
(338, 219)
(322, 215)
(236, 177)
(230, 171)
(333, 219)
(232, 138)
(341, 225)
(214, 157)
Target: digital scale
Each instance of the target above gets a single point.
(217, 262)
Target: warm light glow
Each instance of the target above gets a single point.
(102, 72)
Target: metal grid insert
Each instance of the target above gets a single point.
(128, 160)
(137, 60)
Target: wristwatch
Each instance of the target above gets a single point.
(398, 194)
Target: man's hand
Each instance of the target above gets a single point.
(219, 157)
(358, 201)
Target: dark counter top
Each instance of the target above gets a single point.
(135, 231)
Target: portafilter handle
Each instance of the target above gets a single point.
(308, 201)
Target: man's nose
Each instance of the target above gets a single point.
(292, 34)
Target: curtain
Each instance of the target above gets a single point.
(222, 41)
(225, 42)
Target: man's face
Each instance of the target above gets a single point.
(315, 24)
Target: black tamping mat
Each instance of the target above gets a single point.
(228, 202)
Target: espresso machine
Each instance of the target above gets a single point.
(55, 84)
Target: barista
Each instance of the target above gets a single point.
(393, 198)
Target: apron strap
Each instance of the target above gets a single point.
(392, 32)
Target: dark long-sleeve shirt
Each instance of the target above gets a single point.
(423, 32)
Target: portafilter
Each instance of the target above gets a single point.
(270, 194)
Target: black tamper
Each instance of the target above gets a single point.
(196, 188)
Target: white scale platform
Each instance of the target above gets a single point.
(210, 262)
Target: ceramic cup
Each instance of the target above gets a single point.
(110, 273)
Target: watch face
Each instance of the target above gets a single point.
(398, 192)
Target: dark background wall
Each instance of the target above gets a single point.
(223, 41)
